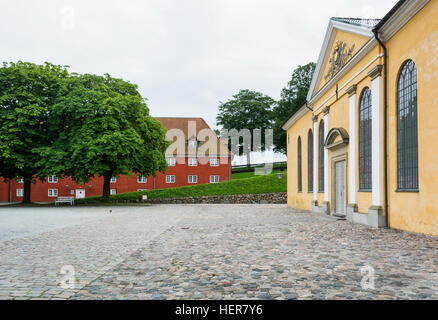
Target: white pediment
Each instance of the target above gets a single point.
(326, 49)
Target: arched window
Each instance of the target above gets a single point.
(310, 160)
(407, 128)
(321, 156)
(300, 175)
(365, 150)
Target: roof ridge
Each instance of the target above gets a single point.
(364, 22)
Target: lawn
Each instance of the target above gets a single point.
(253, 185)
(244, 175)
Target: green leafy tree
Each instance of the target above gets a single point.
(293, 96)
(247, 110)
(102, 127)
(27, 94)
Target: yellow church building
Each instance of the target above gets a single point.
(365, 146)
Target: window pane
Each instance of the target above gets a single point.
(300, 178)
(321, 156)
(365, 140)
(310, 161)
(407, 128)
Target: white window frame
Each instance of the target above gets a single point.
(52, 193)
(193, 162)
(113, 192)
(192, 179)
(193, 144)
(20, 180)
(142, 190)
(113, 180)
(142, 179)
(214, 179)
(214, 162)
(171, 162)
(52, 179)
(20, 193)
(170, 179)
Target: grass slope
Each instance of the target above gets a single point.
(253, 185)
(245, 175)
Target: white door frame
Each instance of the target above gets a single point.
(344, 183)
(337, 156)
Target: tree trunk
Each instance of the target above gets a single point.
(248, 160)
(106, 187)
(26, 195)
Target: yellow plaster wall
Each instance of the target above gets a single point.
(339, 114)
(417, 40)
(302, 200)
(349, 39)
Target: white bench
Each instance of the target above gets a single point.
(70, 200)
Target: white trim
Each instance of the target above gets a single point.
(342, 73)
(52, 179)
(192, 179)
(295, 117)
(214, 179)
(315, 160)
(214, 162)
(402, 16)
(327, 45)
(142, 179)
(20, 193)
(52, 193)
(360, 30)
(113, 192)
(171, 162)
(198, 156)
(113, 180)
(377, 140)
(193, 162)
(170, 179)
(352, 159)
(326, 161)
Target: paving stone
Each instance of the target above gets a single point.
(220, 252)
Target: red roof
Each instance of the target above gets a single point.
(195, 126)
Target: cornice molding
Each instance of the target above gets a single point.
(348, 66)
(351, 90)
(295, 117)
(375, 72)
(402, 16)
(325, 52)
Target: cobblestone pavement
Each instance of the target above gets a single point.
(221, 252)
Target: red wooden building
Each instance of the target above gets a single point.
(196, 156)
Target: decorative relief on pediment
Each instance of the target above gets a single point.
(340, 56)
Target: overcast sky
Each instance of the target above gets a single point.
(185, 55)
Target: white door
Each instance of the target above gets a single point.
(341, 188)
(80, 193)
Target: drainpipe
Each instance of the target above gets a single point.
(10, 191)
(385, 117)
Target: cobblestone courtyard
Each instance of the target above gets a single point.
(208, 252)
